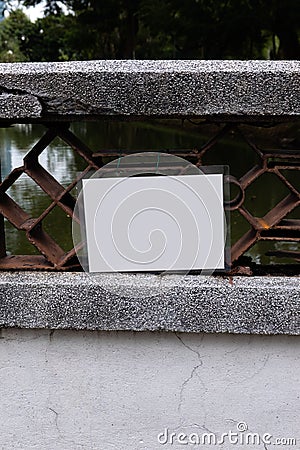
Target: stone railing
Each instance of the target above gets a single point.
(228, 93)
(218, 90)
(74, 373)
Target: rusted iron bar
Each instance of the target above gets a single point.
(2, 231)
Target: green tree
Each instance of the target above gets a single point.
(283, 23)
(15, 32)
(100, 29)
(52, 39)
(185, 29)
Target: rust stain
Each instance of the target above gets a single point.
(264, 224)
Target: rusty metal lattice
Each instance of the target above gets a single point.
(52, 256)
(273, 226)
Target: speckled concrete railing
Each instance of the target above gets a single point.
(257, 305)
(226, 89)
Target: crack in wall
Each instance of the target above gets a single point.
(192, 374)
(183, 386)
(59, 105)
(14, 91)
(59, 431)
(190, 348)
(55, 419)
(251, 376)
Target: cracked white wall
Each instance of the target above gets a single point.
(119, 390)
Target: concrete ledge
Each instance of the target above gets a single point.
(258, 305)
(21, 106)
(72, 90)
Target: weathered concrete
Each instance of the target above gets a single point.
(70, 90)
(19, 105)
(263, 305)
(71, 390)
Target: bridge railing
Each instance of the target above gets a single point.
(227, 93)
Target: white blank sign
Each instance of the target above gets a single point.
(155, 223)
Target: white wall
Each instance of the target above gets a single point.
(119, 390)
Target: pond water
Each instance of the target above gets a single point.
(64, 164)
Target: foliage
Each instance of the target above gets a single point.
(14, 32)
(170, 29)
(52, 38)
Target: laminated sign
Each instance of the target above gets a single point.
(155, 223)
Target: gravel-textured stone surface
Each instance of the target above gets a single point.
(150, 88)
(21, 106)
(259, 305)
